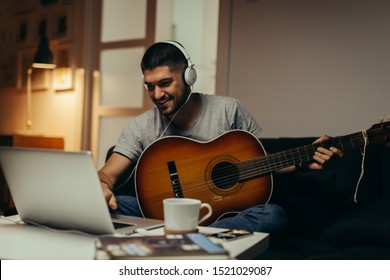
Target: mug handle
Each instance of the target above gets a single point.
(208, 214)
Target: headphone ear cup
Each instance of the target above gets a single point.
(190, 76)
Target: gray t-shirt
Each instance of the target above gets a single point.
(218, 115)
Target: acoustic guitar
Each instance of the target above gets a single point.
(231, 173)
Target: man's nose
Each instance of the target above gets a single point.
(158, 92)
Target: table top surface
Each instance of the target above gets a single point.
(21, 241)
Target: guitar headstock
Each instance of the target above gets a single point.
(379, 133)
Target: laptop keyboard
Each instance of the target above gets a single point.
(121, 225)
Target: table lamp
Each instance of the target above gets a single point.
(43, 59)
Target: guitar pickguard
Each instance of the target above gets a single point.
(176, 187)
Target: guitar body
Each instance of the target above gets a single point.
(208, 171)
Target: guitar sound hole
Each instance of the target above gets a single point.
(225, 175)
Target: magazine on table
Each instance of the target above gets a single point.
(171, 246)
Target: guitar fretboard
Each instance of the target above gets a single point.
(265, 165)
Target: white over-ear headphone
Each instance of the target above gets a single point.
(189, 74)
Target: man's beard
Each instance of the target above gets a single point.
(177, 107)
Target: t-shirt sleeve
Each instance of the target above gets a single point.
(138, 134)
(242, 119)
(129, 143)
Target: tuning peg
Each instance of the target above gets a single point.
(380, 119)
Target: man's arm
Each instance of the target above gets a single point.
(109, 174)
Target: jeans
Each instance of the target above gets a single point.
(269, 218)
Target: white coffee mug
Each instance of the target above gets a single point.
(182, 214)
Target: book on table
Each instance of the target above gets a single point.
(171, 246)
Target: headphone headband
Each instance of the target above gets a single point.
(189, 74)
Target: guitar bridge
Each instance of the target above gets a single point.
(175, 181)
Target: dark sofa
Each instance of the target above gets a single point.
(324, 220)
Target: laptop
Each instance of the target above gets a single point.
(61, 190)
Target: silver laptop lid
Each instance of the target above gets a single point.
(56, 188)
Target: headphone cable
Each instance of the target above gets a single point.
(161, 135)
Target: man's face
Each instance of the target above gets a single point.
(166, 89)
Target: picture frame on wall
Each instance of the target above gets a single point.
(21, 30)
(8, 70)
(41, 28)
(60, 25)
(63, 74)
(23, 6)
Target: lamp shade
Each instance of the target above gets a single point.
(43, 57)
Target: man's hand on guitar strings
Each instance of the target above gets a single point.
(323, 155)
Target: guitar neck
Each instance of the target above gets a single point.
(268, 164)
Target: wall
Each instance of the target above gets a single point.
(191, 22)
(305, 68)
(54, 113)
(197, 31)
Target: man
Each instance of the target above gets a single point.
(168, 76)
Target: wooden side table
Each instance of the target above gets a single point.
(7, 206)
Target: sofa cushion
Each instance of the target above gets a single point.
(324, 221)
(364, 223)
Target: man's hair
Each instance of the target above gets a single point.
(164, 54)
